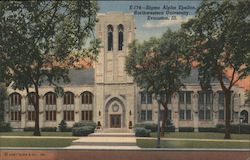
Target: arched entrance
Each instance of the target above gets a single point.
(244, 115)
(114, 113)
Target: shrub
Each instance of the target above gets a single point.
(186, 129)
(28, 129)
(68, 129)
(5, 127)
(48, 129)
(208, 129)
(235, 128)
(85, 123)
(62, 126)
(243, 128)
(150, 126)
(142, 132)
(170, 129)
(82, 131)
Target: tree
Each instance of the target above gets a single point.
(3, 96)
(37, 40)
(220, 39)
(158, 65)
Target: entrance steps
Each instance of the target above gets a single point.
(114, 130)
(106, 141)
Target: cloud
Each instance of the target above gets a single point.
(164, 23)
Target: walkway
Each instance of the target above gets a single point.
(117, 141)
(127, 135)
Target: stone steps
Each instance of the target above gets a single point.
(99, 134)
(106, 141)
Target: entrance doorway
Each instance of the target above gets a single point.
(115, 121)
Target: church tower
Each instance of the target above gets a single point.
(116, 31)
(114, 89)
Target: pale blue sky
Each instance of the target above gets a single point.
(147, 28)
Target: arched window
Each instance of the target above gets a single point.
(15, 99)
(50, 106)
(87, 98)
(31, 110)
(68, 109)
(50, 98)
(110, 37)
(120, 36)
(244, 116)
(32, 98)
(68, 98)
(87, 106)
(15, 106)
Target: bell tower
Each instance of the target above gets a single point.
(116, 31)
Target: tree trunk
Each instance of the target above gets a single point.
(228, 114)
(36, 106)
(164, 119)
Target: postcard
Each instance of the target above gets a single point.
(118, 80)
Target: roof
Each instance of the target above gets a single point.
(87, 77)
(82, 76)
(194, 75)
(79, 77)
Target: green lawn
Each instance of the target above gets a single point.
(202, 135)
(29, 142)
(62, 134)
(151, 143)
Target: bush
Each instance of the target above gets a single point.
(5, 127)
(150, 126)
(62, 126)
(68, 129)
(170, 129)
(48, 129)
(142, 132)
(82, 131)
(243, 128)
(186, 129)
(85, 123)
(208, 129)
(28, 129)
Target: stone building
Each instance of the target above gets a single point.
(106, 95)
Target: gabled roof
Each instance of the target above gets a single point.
(193, 78)
(78, 77)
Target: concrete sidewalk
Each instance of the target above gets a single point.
(104, 141)
(121, 135)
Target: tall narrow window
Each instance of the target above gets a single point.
(31, 109)
(185, 105)
(15, 107)
(120, 36)
(68, 107)
(50, 106)
(205, 105)
(110, 37)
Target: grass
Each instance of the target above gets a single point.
(202, 135)
(61, 134)
(29, 142)
(151, 143)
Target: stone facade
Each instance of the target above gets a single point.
(111, 98)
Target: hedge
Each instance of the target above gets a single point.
(48, 129)
(28, 129)
(142, 132)
(82, 131)
(150, 126)
(5, 127)
(84, 123)
(186, 129)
